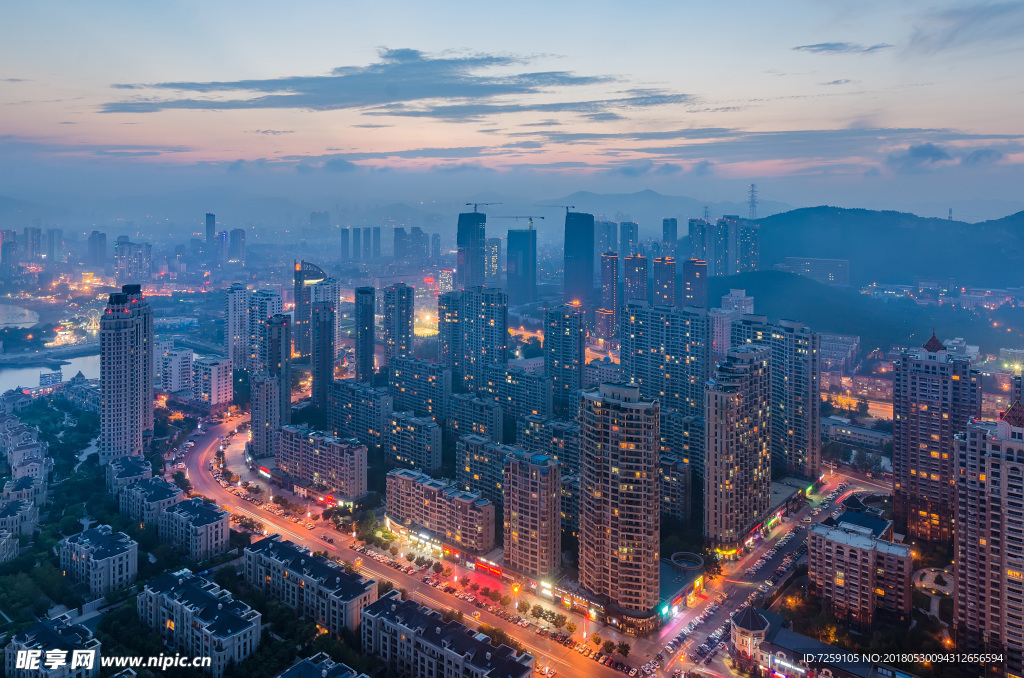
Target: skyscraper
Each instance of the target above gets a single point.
(607, 236)
(328, 291)
(532, 490)
(635, 288)
(473, 329)
(279, 362)
(367, 243)
(398, 335)
(357, 249)
(236, 245)
(629, 238)
(471, 236)
(211, 231)
(521, 266)
(565, 335)
(669, 236)
(435, 248)
(319, 220)
(744, 246)
(265, 413)
(664, 281)
(236, 325)
(54, 246)
(263, 305)
(346, 252)
(492, 258)
(619, 503)
(608, 313)
(737, 448)
(934, 396)
(365, 333)
(97, 249)
(695, 283)
(579, 257)
(322, 325)
(133, 261)
(376, 243)
(306, 275)
(796, 389)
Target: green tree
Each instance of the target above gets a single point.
(608, 647)
(560, 621)
(537, 611)
(623, 648)
(570, 627)
(438, 568)
(182, 481)
(595, 639)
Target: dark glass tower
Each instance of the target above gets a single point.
(306, 275)
(471, 237)
(322, 357)
(579, 256)
(521, 266)
(365, 331)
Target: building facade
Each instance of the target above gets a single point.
(323, 462)
(464, 520)
(532, 491)
(200, 530)
(101, 559)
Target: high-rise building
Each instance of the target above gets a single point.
(479, 466)
(435, 248)
(468, 414)
(556, 438)
(729, 246)
(737, 300)
(263, 305)
(744, 246)
(376, 243)
(413, 442)
(578, 269)
(279, 362)
(606, 236)
(796, 390)
(367, 243)
(532, 513)
(212, 382)
(934, 396)
(357, 248)
(319, 220)
(635, 287)
(619, 497)
(420, 387)
(316, 459)
(988, 600)
(517, 392)
(97, 249)
(133, 261)
(473, 329)
(737, 448)
(265, 415)
(669, 236)
(366, 321)
(565, 336)
(398, 334)
(629, 238)
(664, 281)
(211, 231)
(521, 266)
(695, 283)
(471, 237)
(236, 245)
(236, 325)
(346, 244)
(32, 242)
(176, 371)
(126, 374)
(306, 275)
(360, 411)
(328, 291)
(400, 244)
(608, 313)
(492, 259)
(321, 332)
(461, 519)
(54, 246)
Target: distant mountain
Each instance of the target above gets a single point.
(896, 247)
(15, 212)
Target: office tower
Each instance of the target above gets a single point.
(376, 243)
(398, 334)
(796, 390)
(134, 261)
(471, 236)
(126, 405)
(619, 515)
(413, 442)
(635, 287)
(578, 269)
(278, 361)
(319, 460)
(473, 333)
(737, 448)
(400, 245)
(54, 246)
(606, 236)
(306, 275)
(565, 336)
(664, 281)
(367, 243)
(322, 327)
(357, 248)
(212, 383)
(319, 220)
(492, 258)
(328, 291)
(211, 231)
(265, 415)
(346, 252)
(521, 266)
(97, 249)
(420, 387)
(669, 236)
(435, 248)
(608, 313)
(695, 283)
(737, 300)
(236, 245)
(934, 396)
(629, 238)
(532, 491)
(665, 352)
(365, 333)
(263, 305)
(236, 325)
(988, 598)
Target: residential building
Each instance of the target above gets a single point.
(470, 414)
(556, 438)
(264, 306)
(359, 411)
(737, 300)
(365, 333)
(320, 665)
(492, 259)
(676, 488)
(278, 364)
(619, 512)
(578, 268)
(28, 488)
(517, 392)
(399, 307)
(695, 283)
(463, 520)
(664, 293)
(532, 495)
(101, 559)
(321, 360)
(420, 387)
(635, 285)
(146, 500)
(200, 530)
(669, 235)
(825, 271)
(601, 371)
(265, 415)
(236, 325)
(479, 466)
(322, 462)
(414, 442)
(570, 504)
(565, 336)
(212, 382)
(608, 313)
(10, 546)
(125, 471)
(629, 237)
(72, 642)
(473, 329)
(328, 291)
(176, 371)
(19, 516)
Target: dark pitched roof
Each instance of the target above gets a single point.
(52, 634)
(853, 503)
(749, 620)
(318, 666)
(933, 345)
(1015, 415)
(224, 616)
(104, 541)
(330, 574)
(199, 512)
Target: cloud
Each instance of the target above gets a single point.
(669, 168)
(981, 156)
(454, 152)
(917, 158)
(837, 82)
(704, 168)
(339, 165)
(273, 132)
(959, 26)
(11, 144)
(14, 80)
(605, 116)
(842, 48)
(396, 84)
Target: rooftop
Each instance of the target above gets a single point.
(858, 538)
(199, 512)
(318, 666)
(223, 615)
(53, 634)
(129, 467)
(13, 507)
(103, 542)
(155, 489)
(328, 573)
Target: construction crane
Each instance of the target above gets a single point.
(567, 207)
(475, 204)
(525, 216)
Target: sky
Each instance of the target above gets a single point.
(902, 105)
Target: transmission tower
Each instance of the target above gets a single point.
(707, 213)
(752, 201)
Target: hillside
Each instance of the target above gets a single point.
(896, 247)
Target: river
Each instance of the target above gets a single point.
(12, 377)
(16, 316)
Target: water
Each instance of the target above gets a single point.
(28, 377)
(16, 316)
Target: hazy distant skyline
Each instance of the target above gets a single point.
(867, 104)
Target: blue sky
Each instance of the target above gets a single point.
(867, 103)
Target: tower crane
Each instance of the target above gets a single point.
(475, 204)
(567, 207)
(531, 217)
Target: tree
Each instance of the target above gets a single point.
(623, 648)
(182, 481)
(410, 557)
(608, 647)
(505, 600)
(486, 592)
(862, 406)
(438, 568)
(474, 587)
(394, 550)
(560, 621)
(537, 611)
(524, 607)
(420, 561)
(447, 572)
(570, 627)
(595, 639)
